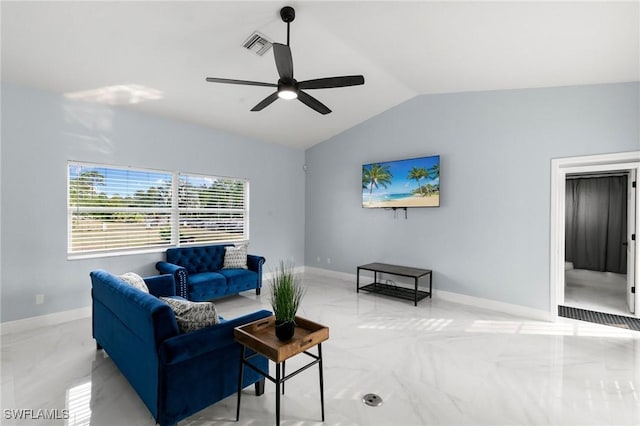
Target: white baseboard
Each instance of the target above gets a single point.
(32, 323)
(493, 305)
(268, 276)
(329, 273)
(463, 299)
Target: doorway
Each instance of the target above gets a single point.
(595, 241)
(562, 282)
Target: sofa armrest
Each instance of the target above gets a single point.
(196, 343)
(161, 285)
(254, 263)
(180, 276)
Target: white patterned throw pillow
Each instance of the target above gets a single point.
(235, 257)
(135, 280)
(192, 316)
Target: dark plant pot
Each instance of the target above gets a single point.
(285, 330)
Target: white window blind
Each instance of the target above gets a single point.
(113, 209)
(212, 209)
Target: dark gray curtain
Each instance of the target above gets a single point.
(596, 223)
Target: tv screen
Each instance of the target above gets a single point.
(414, 182)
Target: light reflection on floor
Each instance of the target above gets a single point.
(79, 405)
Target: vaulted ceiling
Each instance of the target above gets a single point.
(154, 56)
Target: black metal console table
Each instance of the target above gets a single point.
(394, 290)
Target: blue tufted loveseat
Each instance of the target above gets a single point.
(175, 374)
(200, 277)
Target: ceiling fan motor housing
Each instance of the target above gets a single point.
(288, 88)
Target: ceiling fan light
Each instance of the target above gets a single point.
(287, 94)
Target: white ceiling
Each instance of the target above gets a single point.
(403, 49)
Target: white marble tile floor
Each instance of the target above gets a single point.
(439, 363)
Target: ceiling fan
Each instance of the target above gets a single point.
(287, 86)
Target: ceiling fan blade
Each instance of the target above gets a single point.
(313, 103)
(265, 102)
(284, 62)
(329, 82)
(245, 82)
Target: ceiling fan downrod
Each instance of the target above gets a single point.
(288, 14)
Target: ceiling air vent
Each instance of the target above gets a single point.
(258, 43)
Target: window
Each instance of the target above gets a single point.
(211, 209)
(115, 210)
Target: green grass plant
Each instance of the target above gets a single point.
(286, 291)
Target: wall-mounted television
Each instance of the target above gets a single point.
(414, 182)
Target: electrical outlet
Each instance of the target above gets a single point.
(318, 259)
(39, 299)
(328, 261)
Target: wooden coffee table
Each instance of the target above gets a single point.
(260, 337)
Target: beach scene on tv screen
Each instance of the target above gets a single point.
(413, 182)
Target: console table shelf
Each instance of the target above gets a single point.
(393, 290)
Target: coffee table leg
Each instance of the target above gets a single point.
(277, 394)
(321, 380)
(240, 374)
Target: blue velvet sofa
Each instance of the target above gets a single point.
(175, 374)
(200, 277)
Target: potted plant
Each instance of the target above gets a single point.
(286, 294)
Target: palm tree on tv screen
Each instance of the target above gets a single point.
(375, 176)
(418, 173)
(366, 180)
(434, 171)
(430, 189)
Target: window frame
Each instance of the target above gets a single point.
(174, 212)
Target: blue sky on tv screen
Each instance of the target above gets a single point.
(399, 169)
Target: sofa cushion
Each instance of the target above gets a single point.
(239, 277)
(235, 257)
(134, 280)
(209, 278)
(192, 316)
(206, 286)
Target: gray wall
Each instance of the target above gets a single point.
(490, 237)
(42, 131)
